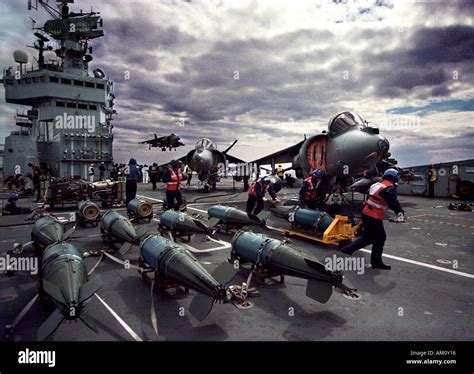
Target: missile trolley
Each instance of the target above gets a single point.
(315, 225)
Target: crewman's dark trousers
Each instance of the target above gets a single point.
(171, 196)
(311, 204)
(373, 233)
(430, 189)
(130, 190)
(252, 200)
(153, 180)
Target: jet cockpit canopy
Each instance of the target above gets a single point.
(204, 143)
(345, 121)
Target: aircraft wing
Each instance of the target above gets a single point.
(234, 160)
(182, 159)
(280, 157)
(154, 141)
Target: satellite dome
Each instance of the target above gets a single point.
(20, 57)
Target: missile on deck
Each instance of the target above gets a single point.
(236, 218)
(117, 228)
(274, 257)
(48, 230)
(307, 218)
(64, 279)
(173, 263)
(87, 212)
(138, 209)
(179, 223)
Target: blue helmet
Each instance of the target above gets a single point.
(317, 174)
(391, 174)
(13, 197)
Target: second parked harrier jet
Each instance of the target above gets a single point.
(209, 163)
(170, 141)
(350, 152)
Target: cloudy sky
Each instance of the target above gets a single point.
(267, 72)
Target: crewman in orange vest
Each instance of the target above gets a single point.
(257, 192)
(381, 195)
(309, 191)
(173, 179)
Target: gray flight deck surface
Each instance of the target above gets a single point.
(416, 300)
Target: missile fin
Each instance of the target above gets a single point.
(224, 273)
(53, 291)
(125, 248)
(201, 305)
(141, 232)
(89, 322)
(318, 290)
(315, 265)
(213, 222)
(263, 216)
(50, 325)
(67, 235)
(89, 288)
(200, 224)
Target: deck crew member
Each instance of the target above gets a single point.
(256, 194)
(309, 193)
(173, 178)
(153, 172)
(131, 173)
(381, 195)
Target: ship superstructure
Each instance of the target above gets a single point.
(65, 123)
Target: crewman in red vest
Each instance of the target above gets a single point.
(173, 179)
(381, 195)
(257, 192)
(309, 191)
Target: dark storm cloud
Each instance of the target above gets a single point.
(428, 60)
(164, 70)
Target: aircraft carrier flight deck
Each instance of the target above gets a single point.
(426, 296)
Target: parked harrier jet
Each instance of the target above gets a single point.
(163, 142)
(211, 164)
(351, 153)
